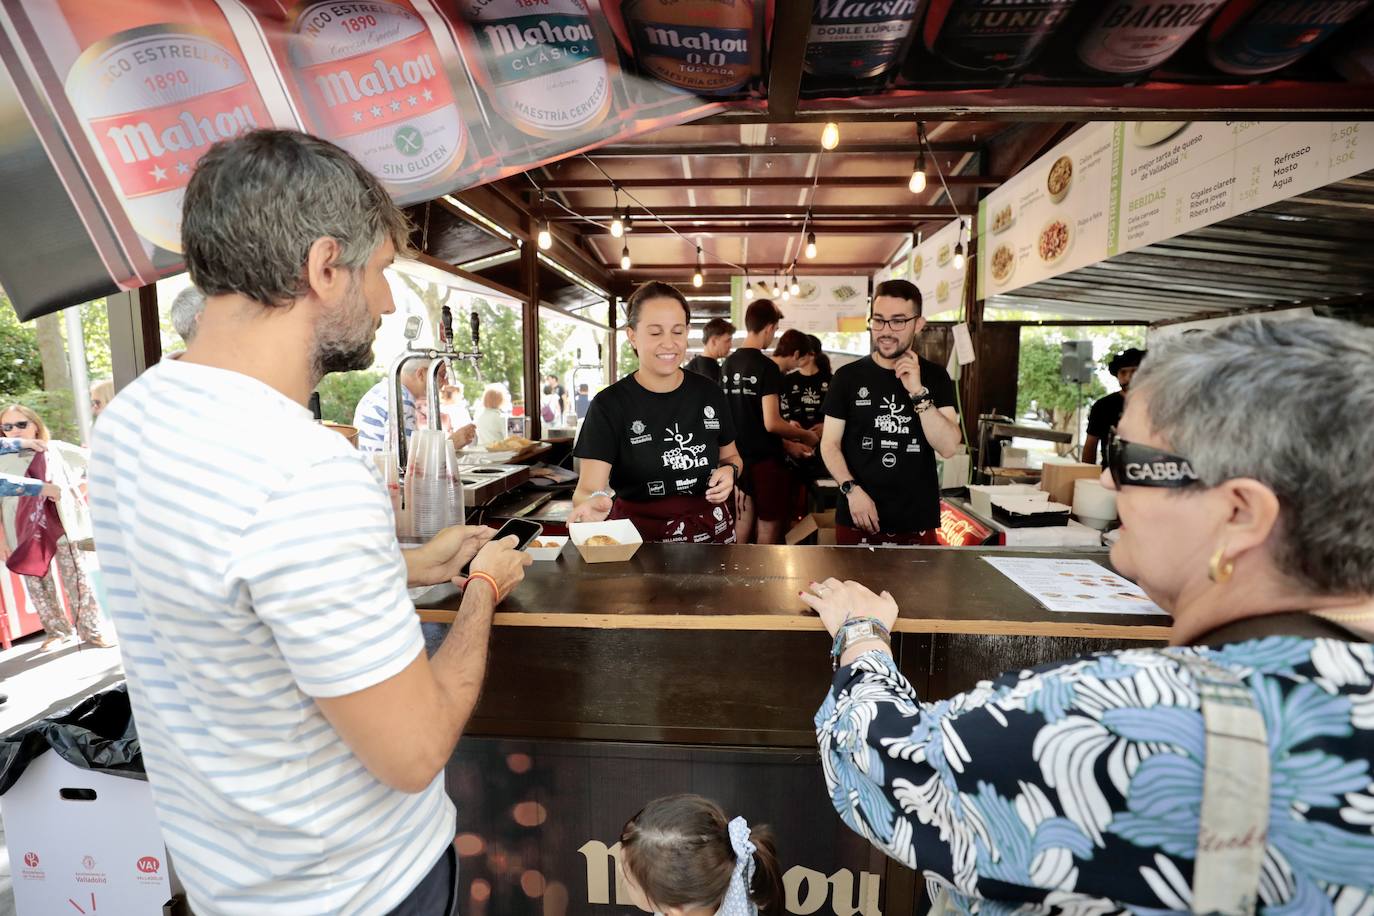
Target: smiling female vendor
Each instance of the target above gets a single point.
(658, 446)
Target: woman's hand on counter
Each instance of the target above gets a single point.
(837, 601)
(593, 510)
(505, 564)
(722, 484)
(443, 558)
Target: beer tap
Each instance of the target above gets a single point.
(580, 366)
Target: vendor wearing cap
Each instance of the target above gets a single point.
(886, 417)
(1106, 413)
(658, 446)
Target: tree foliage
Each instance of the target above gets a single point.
(1040, 389)
(20, 368)
(340, 393)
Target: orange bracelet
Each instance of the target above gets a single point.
(485, 577)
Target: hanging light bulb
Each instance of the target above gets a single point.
(629, 221)
(795, 287)
(959, 255)
(786, 294)
(625, 258)
(918, 175)
(777, 290)
(617, 225)
(830, 135)
(698, 278)
(545, 236)
(811, 244)
(748, 292)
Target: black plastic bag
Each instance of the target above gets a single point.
(96, 734)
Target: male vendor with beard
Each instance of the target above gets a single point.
(886, 416)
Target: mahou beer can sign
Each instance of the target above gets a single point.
(367, 76)
(151, 100)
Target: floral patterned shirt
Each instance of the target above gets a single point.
(1075, 788)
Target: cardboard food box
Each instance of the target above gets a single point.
(1029, 512)
(622, 529)
(980, 495)
(820, 524)
(1005, 475)
(1057, 479)
(547, 553)
(81, 841)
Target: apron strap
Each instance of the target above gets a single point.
(1234, 824)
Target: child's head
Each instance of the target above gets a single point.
(681, 855)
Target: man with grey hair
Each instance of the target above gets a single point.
(186, 309)
(373, 412)
(294, 730)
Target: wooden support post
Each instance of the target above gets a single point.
(529, 314)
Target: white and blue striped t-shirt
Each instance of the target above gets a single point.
(248, 573)
(371, 414)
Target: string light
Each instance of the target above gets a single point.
(748, 292)
(625, 258)
(918, 175)
(777, 290)
(698, 278)
(795, 288)
(959, 248)
(786, 294)
(830, 135)
(811, 245)
(617, 226)
(545, 236)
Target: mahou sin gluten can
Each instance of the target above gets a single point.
(539, 66)
(153, 84)
(710, 48)
(367, 75)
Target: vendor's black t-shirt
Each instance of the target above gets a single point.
(803, 398)
(704, 365)
(747, 377)
(884, 445)
(1103, 419)
(664, 444)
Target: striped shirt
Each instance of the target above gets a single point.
(372, 413)
(247, 575)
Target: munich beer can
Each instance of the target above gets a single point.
(539, 66)
(369, 76)
(152, 84)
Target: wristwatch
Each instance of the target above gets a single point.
(847, 486)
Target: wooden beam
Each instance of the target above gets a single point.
(640, 150)
(803, 268)
(685, 212)
(799, 181)
(717, 230)
(787, 51)
(529, 330)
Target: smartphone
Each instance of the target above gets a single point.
(523, 529)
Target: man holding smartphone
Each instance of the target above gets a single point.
(886, 416)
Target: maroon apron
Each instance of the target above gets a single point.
(678, 519)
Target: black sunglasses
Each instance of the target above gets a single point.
(21, 424)
(1135, 465)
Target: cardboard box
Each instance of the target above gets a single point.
(1057, 479)
(83, 842)
(622, 529)
(953, 471)
(1005, 475)
(980, 495)
(820, 524)
(1071, 535)
(547, 553)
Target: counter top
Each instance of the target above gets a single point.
(749, 587)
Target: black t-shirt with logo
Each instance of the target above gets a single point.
(658, 444)
(1103, 420)
(803, 398)
(884, 445)
(704, 365)
(747, 377)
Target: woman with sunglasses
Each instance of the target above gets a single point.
(68, 562)
(1229, 773)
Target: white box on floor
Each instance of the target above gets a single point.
(74, 853)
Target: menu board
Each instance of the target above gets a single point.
(1176, 176)
(1051, 218)
(824, 304)
(932, 270)
(1113, 187)
(1075, 586)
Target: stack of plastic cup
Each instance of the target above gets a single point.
(433, 490)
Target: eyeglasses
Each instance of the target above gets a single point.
(896, 324)
(1135, 465)
(20, 424)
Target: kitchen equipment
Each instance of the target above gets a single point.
(1093, 504)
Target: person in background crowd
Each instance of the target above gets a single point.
(1230, 776)
(550, 405)
(454, 409)
(886, 416)
(752, 382)
(582, 401)
(68, 562)
(186, 311)
(294, 730)
(658, 446)
(102, 393)
(1106, 412)
(802, 399)
(374, 408)
(491, 421)
(683, 858)
(716, 336)
(560, 394)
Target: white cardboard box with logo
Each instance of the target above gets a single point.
(83, 842)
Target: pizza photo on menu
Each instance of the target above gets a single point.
(1055, 240)
(1059, 179)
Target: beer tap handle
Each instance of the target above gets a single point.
(476, 330)
(446, 322)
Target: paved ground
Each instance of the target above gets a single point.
(39, 685)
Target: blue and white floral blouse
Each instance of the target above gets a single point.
(1075, 787)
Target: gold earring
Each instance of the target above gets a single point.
(1219, 570)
